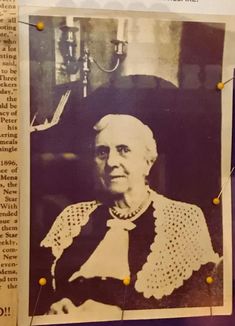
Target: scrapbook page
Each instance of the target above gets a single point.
(126, 133)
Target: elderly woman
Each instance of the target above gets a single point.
(160, 247)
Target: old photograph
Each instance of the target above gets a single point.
(125, 141)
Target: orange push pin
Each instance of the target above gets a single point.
(209, 280)
(126, 280)
(40, 26)
(42, 281)
(216, 201)
(220, 86)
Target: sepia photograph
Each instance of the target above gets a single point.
(125, 147)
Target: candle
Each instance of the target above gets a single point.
(69, 21)
(120, 29)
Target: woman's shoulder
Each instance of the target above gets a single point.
(67, 225)
(166, 201)
(79, 209)
(181, 246)
(175, 208)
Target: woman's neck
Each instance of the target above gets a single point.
(132, 198)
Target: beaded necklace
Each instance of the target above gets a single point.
(117, 212)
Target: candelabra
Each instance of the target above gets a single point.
(67, 47)
(72, 63)
(88, 59)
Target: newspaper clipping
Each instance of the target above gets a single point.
(8, 163)
(125, 146)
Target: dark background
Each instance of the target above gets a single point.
(186, 123)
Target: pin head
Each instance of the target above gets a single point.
(42, 281)
(127, 280)
(220, 86)
(209, 280)
(216, 201)
(40, 26)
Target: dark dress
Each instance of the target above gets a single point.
(195, 292)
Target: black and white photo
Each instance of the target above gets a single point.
(126, 153)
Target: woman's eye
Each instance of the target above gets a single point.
(123, 149)
(101, 152)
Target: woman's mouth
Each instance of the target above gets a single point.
(116, 177)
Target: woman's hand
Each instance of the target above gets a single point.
(96, 309)
(63, 306)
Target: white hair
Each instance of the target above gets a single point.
(130, 122)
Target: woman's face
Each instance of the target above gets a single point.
(120, 159)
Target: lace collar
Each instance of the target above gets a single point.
(182, 243)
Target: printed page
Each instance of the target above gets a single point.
(9, 177)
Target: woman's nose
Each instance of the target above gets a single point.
(113, 158)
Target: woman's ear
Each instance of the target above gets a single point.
(149, 164)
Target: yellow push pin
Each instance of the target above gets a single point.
(42, 281)
(209, 280)
(40, 26)
(220, 86)
(126, 280)
(216, 201)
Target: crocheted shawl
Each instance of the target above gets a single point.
(182, 243)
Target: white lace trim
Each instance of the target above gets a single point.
(66, 227)
(181, 245)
